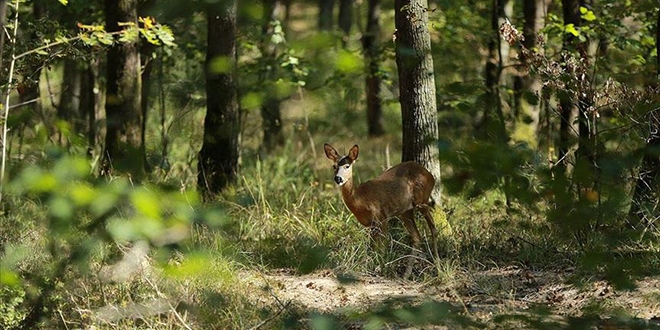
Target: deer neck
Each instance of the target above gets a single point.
(348, 192)
(355, 203)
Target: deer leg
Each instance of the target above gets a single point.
(426, 212)
(408, 219)
(378, 232)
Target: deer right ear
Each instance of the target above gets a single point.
(353, 153)
(330, 152)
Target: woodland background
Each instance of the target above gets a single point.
(156, 154)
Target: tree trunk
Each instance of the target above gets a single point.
(270, 109)
(417, 87)
(325, 14)
(492, 126)
(528, 113)
(371, 43)
(345, 20)
(3, 20)
(647, 188)
(147, 61)
(69, 106)
(124, 147)
(218, 158)
(88, 104)
(567, 100)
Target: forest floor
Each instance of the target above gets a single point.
(479, 295)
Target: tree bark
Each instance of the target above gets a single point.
(345, 19)
(3, 20)
(325, 14)
(124, 146)
(370, 44)
(218, 158)
(417, 87)
(89, 103)
(69, 106)
(567, 100)
(528, 113)
(493, 126)
(270, 109)
(647, 187)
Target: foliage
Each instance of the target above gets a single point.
(85, 221)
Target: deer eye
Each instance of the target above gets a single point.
(347, 166)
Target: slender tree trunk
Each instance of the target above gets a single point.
(270, 109)
(528, 113)
(88, 104)
(371, 46)
(3, 20)
(147, 61)
(345, 20)
(218, 158)
(493, 126)
(417, 87)
(567, 100)
(124, 146)
(28, 88)
(325, 14)
(69, 106)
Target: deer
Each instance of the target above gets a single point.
(397, 192)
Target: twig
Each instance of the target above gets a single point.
(5, 115)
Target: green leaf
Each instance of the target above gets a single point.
(64, 2)
(9, 278)
(587, 14)
(61, 208)
(348, 62)
(220, 65)
(251, 100)
(570, 28)
(82, 194)
(146, 202)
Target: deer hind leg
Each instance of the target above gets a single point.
(426, 212)
(408, 219)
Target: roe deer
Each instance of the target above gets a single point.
(396, 192)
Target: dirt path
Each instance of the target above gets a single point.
(482, 294)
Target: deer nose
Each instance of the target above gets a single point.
(339, 180)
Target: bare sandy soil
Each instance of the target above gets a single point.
(480, 295)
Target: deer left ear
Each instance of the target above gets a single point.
(331, 152)
(353, 153)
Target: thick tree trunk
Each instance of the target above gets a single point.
(124, 147)
(370, 44)
(270, 109)
(218, 158)
(647, 189)
(417, 87)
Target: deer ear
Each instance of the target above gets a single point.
(353, 153)
(330, 152)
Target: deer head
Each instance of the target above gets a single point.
(343, 165)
